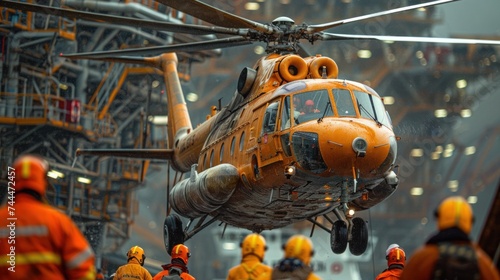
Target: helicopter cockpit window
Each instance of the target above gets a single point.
(270, 118)
(371, 107)
(311, 105)
(344, 104)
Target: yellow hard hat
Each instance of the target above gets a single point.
(454, 211)
(137, 253)
(31, 173)
(299, 247)
(255, 244)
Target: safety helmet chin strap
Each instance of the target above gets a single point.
(252, 253)
(140, 262)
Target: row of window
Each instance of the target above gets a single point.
(211, 162)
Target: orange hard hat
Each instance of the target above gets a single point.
(31, 173)
(299, 247)
(309, 102)
(255, 244)
(181, 252)
(396, 256)
(454, 211)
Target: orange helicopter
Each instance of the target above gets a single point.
(294, 143)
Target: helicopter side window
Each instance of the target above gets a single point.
(232, 145)
(242, 141)
(344, 104)
(270, 117)
(221, 153)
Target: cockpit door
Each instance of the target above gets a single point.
(269, 139)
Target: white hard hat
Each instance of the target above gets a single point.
(392, 246)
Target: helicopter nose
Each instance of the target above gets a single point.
(364, 145)
(359, 146)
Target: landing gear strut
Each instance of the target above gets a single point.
(348, 230)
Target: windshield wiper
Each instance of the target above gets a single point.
(368, 113)
(328, 106)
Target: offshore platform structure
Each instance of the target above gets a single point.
(51, 106)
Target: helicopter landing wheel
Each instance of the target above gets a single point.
(172, 232)
(338, 237)
(359, 237)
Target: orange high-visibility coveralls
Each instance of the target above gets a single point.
(250, 268)
(37, 241)
(390, 274)
(184, 275)
(421, 264)
(132, 271)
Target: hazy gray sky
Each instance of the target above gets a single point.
(470, 17)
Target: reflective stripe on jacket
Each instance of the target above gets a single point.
(38, 241)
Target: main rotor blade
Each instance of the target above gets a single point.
(333, 36)
(157, 25)
(215, 16)
(324, 26)
(156, 50)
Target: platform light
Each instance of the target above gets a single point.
(440, 113)
(364, 54)
(155, 83)
(435, 155)
(84, 180)
(466, 113)
(461, 83)
(439, 149)
(158, 120)
(449, 147)
(417, 153)
(470, 150)
(419, 54)
(259, 50)
(229, 246)
(389, 100)
(54, 174)
(252, 6)
(416, 191)
(192, 97)
(472, 199)
(453, 185)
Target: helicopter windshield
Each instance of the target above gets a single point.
(371, 107)
(306, 106)
(343, 101)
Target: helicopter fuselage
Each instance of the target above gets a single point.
(300, 145)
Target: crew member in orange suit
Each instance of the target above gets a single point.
(253, 248)
(178, 264)
(296, 264)
(37, 241)
(396, 259)
(450, 253)
(134, 269)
